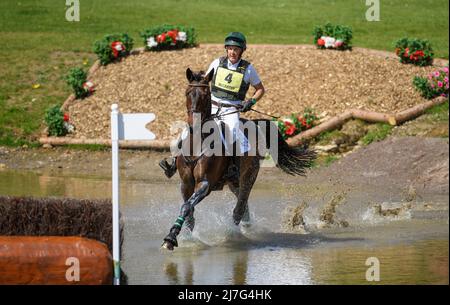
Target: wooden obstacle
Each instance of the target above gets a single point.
(40, 239)
(54, 260)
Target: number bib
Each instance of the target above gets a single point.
(229, 84)
(228, 80)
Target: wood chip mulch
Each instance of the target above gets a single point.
(295, 77)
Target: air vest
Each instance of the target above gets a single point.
(229, 84)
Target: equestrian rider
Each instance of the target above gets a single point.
(231, 81)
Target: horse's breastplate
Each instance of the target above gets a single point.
(229, 84)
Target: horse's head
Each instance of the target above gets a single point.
(198, 95)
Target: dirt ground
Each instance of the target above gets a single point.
(295, 77)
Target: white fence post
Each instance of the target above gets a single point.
(115, 190)
(123, 127)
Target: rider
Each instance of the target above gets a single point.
(231, 81)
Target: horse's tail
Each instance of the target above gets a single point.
(294, 160)
(291, 160)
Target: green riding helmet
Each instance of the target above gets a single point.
(236, 39)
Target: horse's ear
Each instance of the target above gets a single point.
(210, 75)
(189, 75)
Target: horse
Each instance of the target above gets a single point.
(202, 173)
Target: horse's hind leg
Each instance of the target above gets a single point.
(235, 190)
(248, 174)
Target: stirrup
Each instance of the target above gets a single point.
(169, 169)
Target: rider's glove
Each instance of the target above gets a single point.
(248, 105)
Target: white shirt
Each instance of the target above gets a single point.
(250, 76)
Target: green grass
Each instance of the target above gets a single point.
(439, 112)
(327, 136)
(40, 46)
(330, 159)
(324, 161)
(378, 132)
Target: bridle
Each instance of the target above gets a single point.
(189, 111)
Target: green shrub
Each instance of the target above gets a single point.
(54, 118)
(76, 78)
(168, 37)
(414, 51)
(104, 50)
(422, 85)
(333, 36)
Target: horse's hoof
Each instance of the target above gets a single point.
(167, 246)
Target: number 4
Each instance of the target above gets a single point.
(229, 77)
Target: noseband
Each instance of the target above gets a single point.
(198, 85)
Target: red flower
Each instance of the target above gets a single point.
(320, 42)
(117, 47)
(290, 128)
(66, 117)
(417, 55)
(302, 121)
(406, 54)
(173, 35)
(88, 86)
(161, 38)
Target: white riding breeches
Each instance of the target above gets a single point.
(230, 117)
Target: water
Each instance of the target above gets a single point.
(410, 251)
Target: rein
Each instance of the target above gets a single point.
(236, 106)
(217, 115)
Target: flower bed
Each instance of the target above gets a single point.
(168, 37)
(296, 123)
(113, 47)
(414, 51)
(436, 84)
(333, 37)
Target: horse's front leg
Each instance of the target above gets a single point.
(202, 189)
(187, 189)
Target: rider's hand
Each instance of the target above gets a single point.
(248, 105)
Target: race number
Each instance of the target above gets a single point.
(228, 80)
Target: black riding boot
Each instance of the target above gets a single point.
(169, 168)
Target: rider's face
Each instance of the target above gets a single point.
(233, 53)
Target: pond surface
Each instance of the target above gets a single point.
(410, 251)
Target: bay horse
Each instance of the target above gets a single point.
(202, 173)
